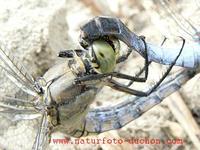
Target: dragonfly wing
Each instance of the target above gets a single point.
(18, 118)
(184, 24)
(17, 73)
(41, 140)
(16, 109)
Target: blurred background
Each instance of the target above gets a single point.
(35, 30)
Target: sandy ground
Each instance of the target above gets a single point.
(34, 32)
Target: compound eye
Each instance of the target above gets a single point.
(104, 56)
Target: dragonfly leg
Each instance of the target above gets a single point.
(78, 133)
(143, 69)
(88, 79)
(168, 70)
(124, 56)
(115, 85)
(70, 53)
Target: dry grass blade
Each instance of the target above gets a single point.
(184, 116)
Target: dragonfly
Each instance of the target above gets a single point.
(62, 96)
(108, 118)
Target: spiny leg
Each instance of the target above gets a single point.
(146, 65)
(117, 86)
(82, 131)
(124, 57)
(143, 69)
(90, 78)
(169, 69)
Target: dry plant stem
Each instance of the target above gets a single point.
(184, 117)
(176, 103)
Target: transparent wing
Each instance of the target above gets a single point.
(41, 140)
(115, 117)
(16, 109)
(188, 27)
(18, 120)
(17, 73)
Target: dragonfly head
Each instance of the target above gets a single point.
(103, 56)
